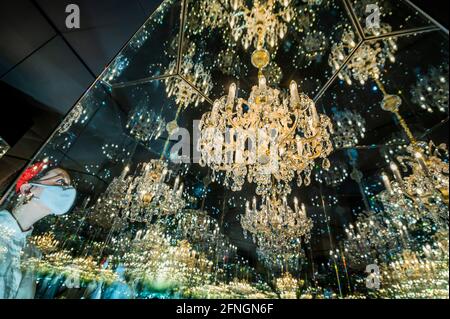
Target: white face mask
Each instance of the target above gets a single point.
(58, 199)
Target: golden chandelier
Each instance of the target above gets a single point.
(268, 138)
(269, 18)
(368, 61)
(277, 230)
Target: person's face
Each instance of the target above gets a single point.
(54, 177)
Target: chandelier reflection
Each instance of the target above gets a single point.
(230, 63)
(368, 61)
(288, 132)
(145, 125)
(311, 48)
(423, 191)
(287, 286)
(115, 152)
(267, 18)
(156, 261)
(192, 84)
(334, 176)
(277, 230)
(203, 233)
(372, 238)
(141, 197)
(431, 90)
(349, 128)
(418, 274)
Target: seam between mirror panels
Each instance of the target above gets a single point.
(184, 4)
(96, 80)
(142, 81)
(354, 18)
(334, 76)
(404, 33)
(207, 99)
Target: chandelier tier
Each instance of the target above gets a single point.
(288, 132)
(277, 230)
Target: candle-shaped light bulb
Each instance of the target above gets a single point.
(396, 172)
(177, 182)
(294, 93)
(180, 190)
(314, 115)
(386, 182)
(254, 203)
(296, 204)
(303, 210)
(163, 175)
(231, 94)
(422, 163)
(262, 82)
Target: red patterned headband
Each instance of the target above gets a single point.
(30, 173)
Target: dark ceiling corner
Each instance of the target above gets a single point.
(437, 9)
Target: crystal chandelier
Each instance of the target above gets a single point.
(368, 61)
(431, 90)
(334, 176)
(312, 47)
(141, 197)
(157, 261)
(426, 164)
(203, 233)
(4, 147)
(277, 230)
(206, 14)
(149, 194)
(269, 18)
(145, 125)
(106, 211)
(349, 128)
(235, 289)
(115, 153)
(192, 75)
(287, 286)
(371, 239)
(423, 192)
(229, 62)
(288, 133)
(418, 275)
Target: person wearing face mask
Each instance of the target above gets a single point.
(41, 193)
